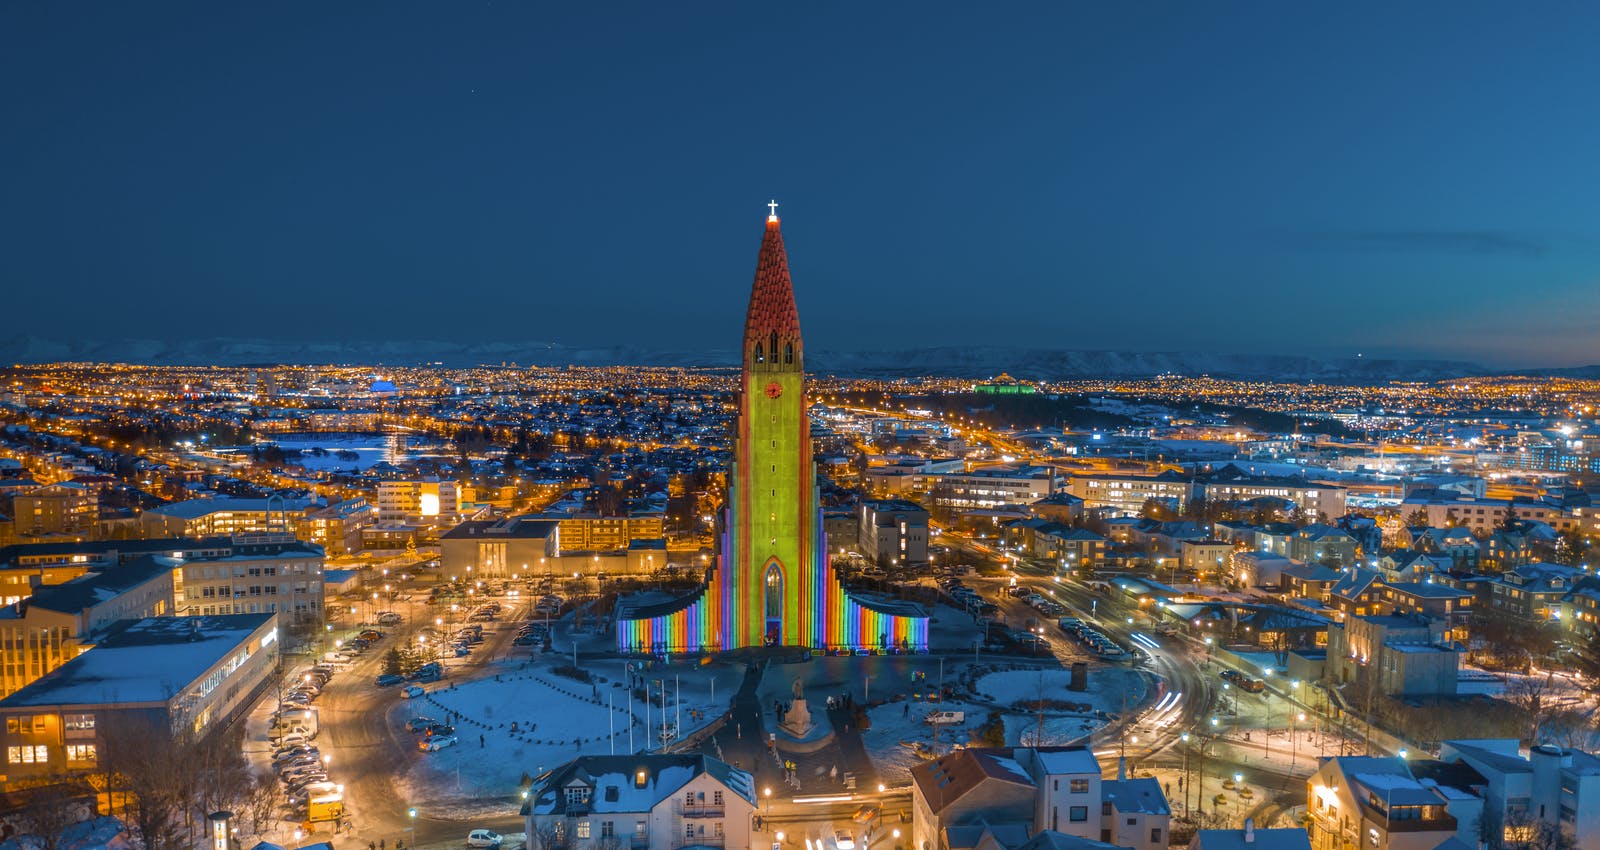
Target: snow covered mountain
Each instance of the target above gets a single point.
(953, 361)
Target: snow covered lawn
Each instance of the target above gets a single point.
(525, 720)
(898, 729)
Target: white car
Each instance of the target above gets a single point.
(483, 838)
(844, 841)
(411, 692)
(437, 743)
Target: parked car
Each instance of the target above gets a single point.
(1254, 686)
(437, 743)
(411, 692)
(437, 729)
(483, 838)
(419, 724)
(388, 679)
(843, 840)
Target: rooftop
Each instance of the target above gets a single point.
(143, 661)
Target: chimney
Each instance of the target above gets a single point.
(1249, 830)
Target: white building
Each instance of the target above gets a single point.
(655, 801)
(1055, 789)
(418, 501)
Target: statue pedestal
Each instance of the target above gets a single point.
(797, 722)
(800, 732)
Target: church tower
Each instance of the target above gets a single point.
(773, 584)
(773, 498)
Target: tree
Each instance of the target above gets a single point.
(393, 662)
(1533, 698)
(1586, 656)
(993, 732)
(148, 770)
(1418, 518)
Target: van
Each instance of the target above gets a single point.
(325, 807)
(289, 720)
(945, 718)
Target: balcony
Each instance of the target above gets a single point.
(700, 841)
(700, 810)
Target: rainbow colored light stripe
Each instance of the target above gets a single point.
(710, 621)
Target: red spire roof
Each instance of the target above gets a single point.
(772, 309)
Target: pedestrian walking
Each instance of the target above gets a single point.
(480, 742)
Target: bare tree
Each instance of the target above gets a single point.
(149, 771)
(1532, 696)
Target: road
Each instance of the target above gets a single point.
(1193, 723)
(368, 746)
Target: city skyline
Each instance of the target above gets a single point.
(1341, 185)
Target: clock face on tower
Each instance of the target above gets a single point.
(774, 390)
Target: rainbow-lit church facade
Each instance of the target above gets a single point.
(773, 583)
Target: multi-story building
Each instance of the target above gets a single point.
(1129, 493)
(418, 501)
(1324, 544)
(254, 574)
(994, 487)
(337, 527)
(1402, 656)
(57, 511)
(164, 676)
(596, 533)
(1371, 803)
(1532, 592)
(1551, 790)
(498, 548)
(1057, 789)
(654, 801)
(221, 517)
(892, 531)
(59, 621)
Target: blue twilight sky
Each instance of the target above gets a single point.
(1415, 179)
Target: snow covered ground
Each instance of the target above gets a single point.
(898, 728)
(555, 718)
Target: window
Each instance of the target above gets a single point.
(1105, 808)
(1155, 835)
(1372, 837)
(607, 829)
(1133, 821)
(80, 754)
(1078, 814)
(78, 722)
(1078, 786)
(583, 829)
(716, 798)
(639, 829)
(28, 755)
(577, 795)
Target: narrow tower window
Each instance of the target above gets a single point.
(788, 353)
(773, 347)
(760, 357)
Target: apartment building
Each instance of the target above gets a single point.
(55, 511)
(336, 528)
(418, 501)
(1404, 656)
(254, 574)
(1550, 789)
(891, 531)
(1056, 789)
(654, 801)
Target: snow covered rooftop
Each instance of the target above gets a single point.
(144, 661)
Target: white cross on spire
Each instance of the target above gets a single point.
(773, 206)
